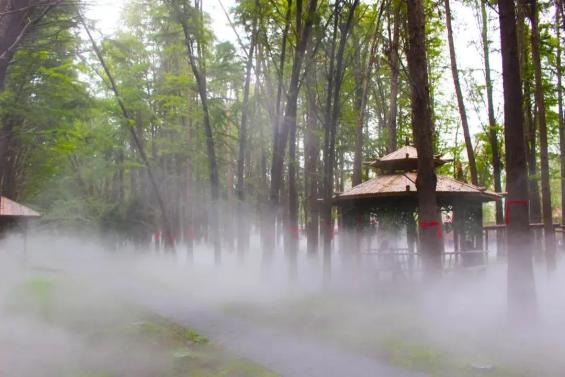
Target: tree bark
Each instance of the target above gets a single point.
(422, 126)
(289, 124)
(493, 134)
(277, 162)
(459, 95)
(333, 110)
(549, 235)
(560, 110)
(529, 121)
(521, 286)
(311, 166)
(242, 223)
(394, 62)
(182, 17)
(363, 92)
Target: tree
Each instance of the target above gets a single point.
(137, 140)
(18, 20)
(181, 12)
(243, 234)
(548, 230)
(521, 288)
(561, 121)
(280, 136)
(492, 127)
(332, 114)
(430, 243)
(459, 95)
(289, 126)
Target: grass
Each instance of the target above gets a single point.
(387, 331)
(110, 338)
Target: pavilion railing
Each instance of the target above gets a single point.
(403, 261)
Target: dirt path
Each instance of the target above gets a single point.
(289, 355)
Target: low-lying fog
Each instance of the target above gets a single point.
(62, 284)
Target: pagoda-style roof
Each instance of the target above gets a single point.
(403, 159)
(9, 208)
(404, 185)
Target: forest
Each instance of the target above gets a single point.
(263, 130)
(158, 128)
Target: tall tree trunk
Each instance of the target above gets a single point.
(277, 162)
(18, 17)
(493, 134)
(243, 221)
(521, 286)
(182, 17)
(459, 95)
(364, 82)
(289, 124)
(394, 62)
(548, 230)
(422, 126)
(311, 165)
(559, 70)
(327, 179)
(529, 121)
(333, 111)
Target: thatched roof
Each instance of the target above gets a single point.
(405, 158)
(404, 185)
(9, 208)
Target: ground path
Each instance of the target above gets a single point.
(289, 355)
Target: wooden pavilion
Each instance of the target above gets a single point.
(12, 214)
(379, 216)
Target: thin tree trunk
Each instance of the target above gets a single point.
(549, 235)
(327, 179)
(560, 111)
(394, 62)
(364, 80)
(331, 131)
(529, 121)
(277, 162)
(137, 141)
(289, 127)
(459, 95)
(311, 165)
(521, 286)
(422, 125)
(210, 144)
(493, 134)
(243, 221)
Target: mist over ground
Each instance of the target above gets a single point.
(63, 287)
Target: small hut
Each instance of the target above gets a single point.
(12, 214)
(379, 216)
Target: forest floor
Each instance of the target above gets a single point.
(98, 314)
(56, 325)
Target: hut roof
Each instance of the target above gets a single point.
(9, 208)
(404, 184)
(405, 158)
